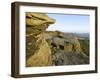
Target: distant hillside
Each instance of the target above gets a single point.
(82, 35)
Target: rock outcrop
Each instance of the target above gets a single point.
(38, 52)
(66, 49)
(68, 42)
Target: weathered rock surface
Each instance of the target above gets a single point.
(66, 49)
(38, 52)
(68, 41)
(42, 55)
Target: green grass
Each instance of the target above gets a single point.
(85, 46)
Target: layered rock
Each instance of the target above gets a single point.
(38, 52)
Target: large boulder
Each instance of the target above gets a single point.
(38, 52)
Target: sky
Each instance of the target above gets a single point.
(70, 23)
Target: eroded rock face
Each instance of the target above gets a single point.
(68, 42)
(36, 23)
(66, 49)
(38, 52)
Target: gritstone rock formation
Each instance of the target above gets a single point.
(38, 52)
(66, 49)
